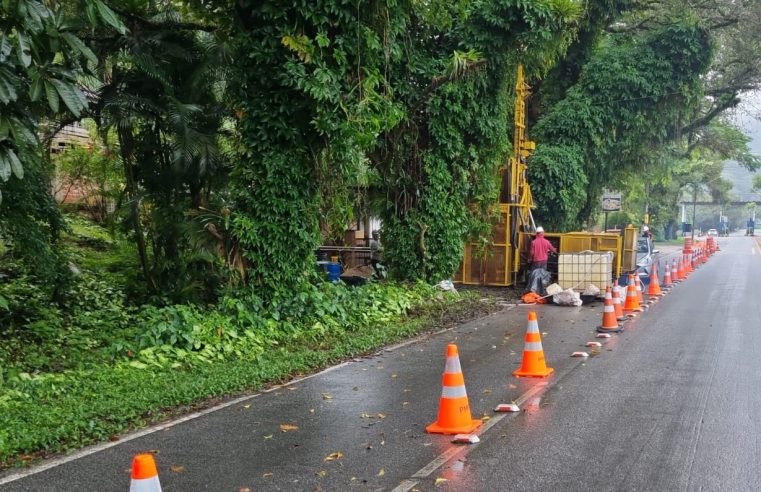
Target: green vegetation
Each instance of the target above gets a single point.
(93, 366)
(230, 138)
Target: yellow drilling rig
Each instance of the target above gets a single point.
(502, 260)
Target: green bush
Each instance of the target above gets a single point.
(177, 355)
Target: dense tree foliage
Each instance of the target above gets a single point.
(247, 132)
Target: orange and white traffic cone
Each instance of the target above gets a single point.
(687, 265)
(609, 321)
(680, 270)
(145, 477)
(533, 365)
(654, 289)
(674, 272)
(667, 277)
(631, 305)
(618, 302)
(640, 290)
(454, 410)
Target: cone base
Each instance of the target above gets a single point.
(435, 428)
(520, 373)
(618, 329)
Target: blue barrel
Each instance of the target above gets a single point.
(334, 271)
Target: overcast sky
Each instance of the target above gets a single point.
(747, 117)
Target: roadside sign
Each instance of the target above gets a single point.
(611, 202)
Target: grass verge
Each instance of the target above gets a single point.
(102, 402)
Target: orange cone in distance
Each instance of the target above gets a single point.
(688, 262)
(533, 364)
(631, 304)
(618, 302)
(454, 410)
(609, 321)
(674, 272)
(680, 270)
(145, 477)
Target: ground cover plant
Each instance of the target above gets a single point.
(94, 366)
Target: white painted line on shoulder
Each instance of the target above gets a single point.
(453, 452)
(52, 463)
(150, 430)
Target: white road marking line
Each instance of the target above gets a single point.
(35, 469)
(753, 250)
(150, 430)
(450, 453)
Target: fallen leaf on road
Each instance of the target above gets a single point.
(487, 391)
(440, 481)
(381, 472)
(356, 388)
(321, 473)
(245, 489)
(288, 427)
(405, 403)
(485, 418)
(177, 468)
(152, 451)
(268, 437)
(311, 410)
(268, 474)
(393, 376)
(511, 386)
(327, 396)
(292, 388)
(407, 390)
(334, 456)
(247, 406)
(381, 416)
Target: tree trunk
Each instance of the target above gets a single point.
(125, 145)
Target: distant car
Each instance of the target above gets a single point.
(713, 233)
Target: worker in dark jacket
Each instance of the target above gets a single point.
(540, 248)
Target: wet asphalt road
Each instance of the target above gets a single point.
(667, 405)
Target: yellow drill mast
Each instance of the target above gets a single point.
(520, 200)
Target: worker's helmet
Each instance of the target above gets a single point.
(539, 229)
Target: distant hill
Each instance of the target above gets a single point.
(742, 181)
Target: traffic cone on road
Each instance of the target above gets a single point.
(654, 289)
(687, 265)
(680, 270)
(609, 322)
(667, 277)
(145, 478)
(618, 302)
(674, 272)
(533, 364)
(632, 300)
(454, 410)
(640, 290)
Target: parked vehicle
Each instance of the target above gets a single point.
(713, 233)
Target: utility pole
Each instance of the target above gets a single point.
(694, 204)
